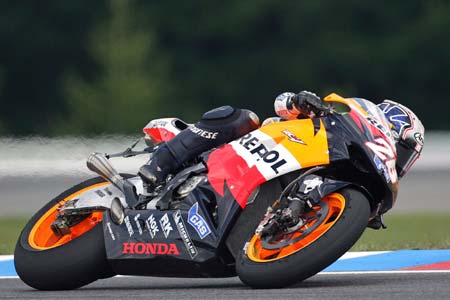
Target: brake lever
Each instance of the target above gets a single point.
(130, 153)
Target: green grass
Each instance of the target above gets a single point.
(10, 229)
(406, 231)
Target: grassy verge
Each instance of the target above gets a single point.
(10, 229)
(409, 231)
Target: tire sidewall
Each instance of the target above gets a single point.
(68, 266)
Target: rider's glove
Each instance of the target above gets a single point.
(310, 104)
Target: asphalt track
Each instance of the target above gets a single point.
(415, 285)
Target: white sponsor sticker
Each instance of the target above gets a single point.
(152, 226)
(165, 225)
(260, 150)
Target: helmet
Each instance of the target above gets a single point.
(284, 108)
(408, 133)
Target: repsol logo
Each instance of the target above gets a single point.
(150, 248)
(255, 147)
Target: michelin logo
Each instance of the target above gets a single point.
(197, 221)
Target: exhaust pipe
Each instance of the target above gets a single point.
(98, 163)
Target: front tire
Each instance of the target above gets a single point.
(46, 261)
(259, 267)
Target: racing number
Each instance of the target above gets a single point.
(386, 153)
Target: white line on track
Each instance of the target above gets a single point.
(323, 273)
(6, 257)
(384, 272)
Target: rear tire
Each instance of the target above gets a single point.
(314, 257)
(68, 266)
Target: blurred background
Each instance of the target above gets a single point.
(83, 76)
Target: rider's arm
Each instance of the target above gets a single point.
(304, 104)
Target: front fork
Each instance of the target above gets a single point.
(298, 197)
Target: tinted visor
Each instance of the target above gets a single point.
(406, 157)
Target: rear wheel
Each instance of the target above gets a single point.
(47, 260)
(329, 230)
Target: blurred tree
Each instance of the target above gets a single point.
(2, 128)
(95, 66)
(127, 91)
(246, 52)
(38, 42)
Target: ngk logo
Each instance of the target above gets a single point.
(150, 248)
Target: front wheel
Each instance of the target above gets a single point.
(330, 229)
(46, 260)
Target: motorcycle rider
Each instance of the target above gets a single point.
(217, 127)
(224, 124)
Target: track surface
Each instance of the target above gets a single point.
(428, 286)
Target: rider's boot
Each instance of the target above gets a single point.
(162, 164)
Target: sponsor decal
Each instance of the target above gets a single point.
(204, 133)
(108, 191)
(138, 223)
(193, 252)
(128, 225)
(157, 123)
(165, 225)
(197, 221)
(108, 225)
(419, 138)
(152, 226)
(292, 137)
(100, 193)
(150, 248)
(255, 147)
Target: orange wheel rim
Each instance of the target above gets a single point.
(258, 253)
(42, 236)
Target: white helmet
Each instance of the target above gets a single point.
(408, 133)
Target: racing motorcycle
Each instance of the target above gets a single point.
(274, 207)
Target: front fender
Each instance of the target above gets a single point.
(317, 187)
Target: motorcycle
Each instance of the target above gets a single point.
(274, 207)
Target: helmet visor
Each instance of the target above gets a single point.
(406, 157)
